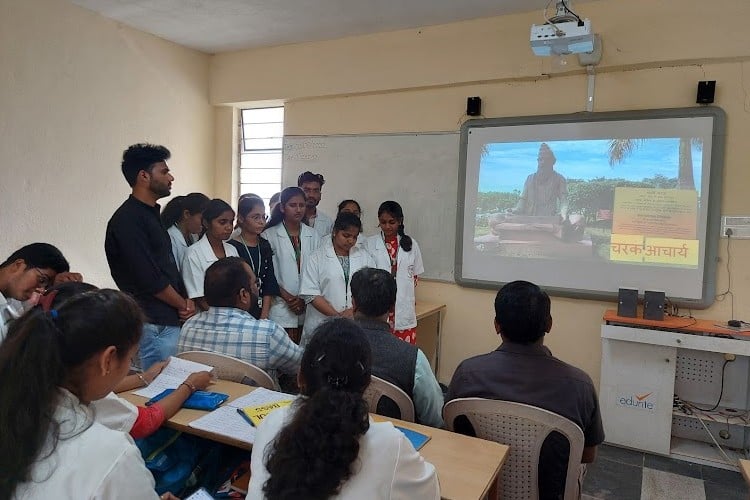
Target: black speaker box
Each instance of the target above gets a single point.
(474, 106)
(706, 92)
(627, 302)
(653, 305)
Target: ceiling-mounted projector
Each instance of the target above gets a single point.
(563, 34)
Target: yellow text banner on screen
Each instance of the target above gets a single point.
(659, 213)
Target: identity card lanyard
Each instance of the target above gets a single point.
(297, 247)
(256, 270)
(394, 259)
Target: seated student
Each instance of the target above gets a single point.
(29, 269)
(52, 366)
(228, 328)
(218, 218)
(324, 445)
(115, 412)
(326, 276)
(400, 363)
(523, 370)
(182, 218)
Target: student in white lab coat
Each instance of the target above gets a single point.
(327, 275)
(218, 222)
(52, 366)
(324, 446)
(398, 253)
(292, 243)
(182, 218)
(113, 411)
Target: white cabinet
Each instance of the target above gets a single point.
(642, 371)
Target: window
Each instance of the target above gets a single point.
(260, 151)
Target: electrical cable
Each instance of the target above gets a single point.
(720, 297)
(570, 11)
(729, 460)
(721, 392)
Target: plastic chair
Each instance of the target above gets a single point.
(524, 428)
(380, 388)
(229, 368)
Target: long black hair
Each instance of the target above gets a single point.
(313, 454)
(393, 208)
(172, 212)
(286, 194)
(214, 209)
(44, 351)
(345, 220)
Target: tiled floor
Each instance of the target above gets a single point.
(620, 474)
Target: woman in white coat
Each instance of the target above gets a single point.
(292, 243)
(324, 446)
(398, 253)
(182, 218)
(218, 223)
(52, 366)
(327, 275)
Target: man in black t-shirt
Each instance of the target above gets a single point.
(139, 253)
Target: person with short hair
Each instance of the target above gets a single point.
(324, 445)
(139, 252)
(228, 328)
(312, 185)
(29, 269)
(523, 370)
(400, 363)
(52, 366)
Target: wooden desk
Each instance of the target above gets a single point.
(467, 467)
(745, 469)
(429, 323)
(687, 325)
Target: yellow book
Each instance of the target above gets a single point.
(256, 414)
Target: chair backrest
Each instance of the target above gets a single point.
(229, 368)
(379, 388)
(524, 428)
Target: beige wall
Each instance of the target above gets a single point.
(76, 90)
(418, 80)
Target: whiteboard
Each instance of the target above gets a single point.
(420, 171)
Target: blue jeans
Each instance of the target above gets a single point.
(157, 343)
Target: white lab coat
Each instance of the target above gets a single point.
(179, 246)
(90, 461)
(387, 465)
(409, 265)
(285, 266)
(324, 276)
(323, 223)
(198, 258)
(115, 412)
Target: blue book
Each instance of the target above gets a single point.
(417, 438)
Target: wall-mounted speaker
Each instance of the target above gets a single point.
(627, 302)
(474, 106)
(706, 92)
(653, 305)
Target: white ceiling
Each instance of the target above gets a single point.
(221, 25)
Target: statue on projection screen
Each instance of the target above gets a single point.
(540, 225)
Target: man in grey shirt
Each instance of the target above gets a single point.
(523, 370)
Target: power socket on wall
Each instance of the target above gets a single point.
(736, 226)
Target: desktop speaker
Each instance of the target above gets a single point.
(653, 305)
(706, 92)
(474, 106)
(627, 302)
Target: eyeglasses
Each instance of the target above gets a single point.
(259, 218)
(42, 280)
